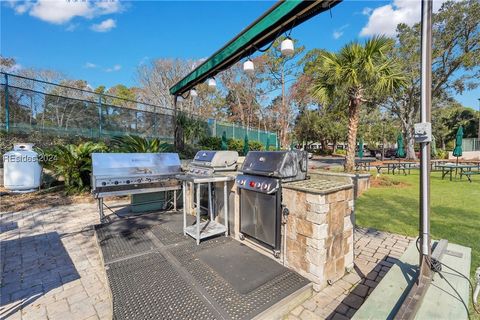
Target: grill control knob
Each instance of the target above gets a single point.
(128, 181)
(104, 183)
(252, 184)
(258, 185)
(149, 180)
(139, 180)
(265, 186)
(116, 182)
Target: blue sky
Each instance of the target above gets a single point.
(104, 41)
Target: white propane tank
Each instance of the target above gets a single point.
(21, 169)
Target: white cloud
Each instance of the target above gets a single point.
(72, 27)
(90, 65)
(384, 20)
(116, 67)
(104, 26)
(337, 33)
(366, 11)
(62, 11)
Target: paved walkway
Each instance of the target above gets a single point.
(375, 253)
(51, 268)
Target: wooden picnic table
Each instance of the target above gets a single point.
(475, 163)
(396, 165)
(434, 163)
(449, 167)
(363, 163)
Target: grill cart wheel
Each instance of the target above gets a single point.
(276, 253)
(241, 236)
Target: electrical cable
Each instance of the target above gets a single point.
(456, 292)
(436, 266)
(466, 278)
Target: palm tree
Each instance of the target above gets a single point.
(356, 75)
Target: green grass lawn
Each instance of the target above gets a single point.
(455, 209)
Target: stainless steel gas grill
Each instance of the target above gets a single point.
(261, 195)
(207, 168)
(210, 162)
(115, 174)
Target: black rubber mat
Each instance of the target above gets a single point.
(121, 245)
(148, 287)
(234, 303)
(168, 236)
(245, 274)
(173, 278)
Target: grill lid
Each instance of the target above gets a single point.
(141, 164)
(279, 164)
(216, 159)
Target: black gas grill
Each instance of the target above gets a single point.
(261, 196)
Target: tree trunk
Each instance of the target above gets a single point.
(353, 117)
(410, 136)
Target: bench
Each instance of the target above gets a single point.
(469, 174)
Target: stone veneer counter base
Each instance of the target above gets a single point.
(318, 231)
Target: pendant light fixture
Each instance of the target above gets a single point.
(193, 93)
(248, 66)
(212, 84)
(287, 48)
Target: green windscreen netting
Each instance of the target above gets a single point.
(238, 132)
(39, 107)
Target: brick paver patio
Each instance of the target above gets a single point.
(50, 264)
(51, 268)
(375, 253)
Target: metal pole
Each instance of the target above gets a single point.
(198, 214)
(478, 120)
(425, 116)
(416, 293)
(175, 127)
(99, 115)
(184, 191)
(7, 108)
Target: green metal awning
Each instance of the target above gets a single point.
(281, 17)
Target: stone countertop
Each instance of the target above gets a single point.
(317, 186)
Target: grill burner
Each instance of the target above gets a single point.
(115, 174)
(260, 189)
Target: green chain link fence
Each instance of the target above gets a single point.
(31, 105)
(238, 132)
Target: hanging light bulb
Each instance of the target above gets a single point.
(179, 99)
(212, 84)
(193, 93)
(248, 66)
(287, 47)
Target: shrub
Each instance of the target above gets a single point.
(74, 164)
(441, 154)
(236, 145)
(210, 143)
(340, 152)
(130, 143)
(255, 145)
